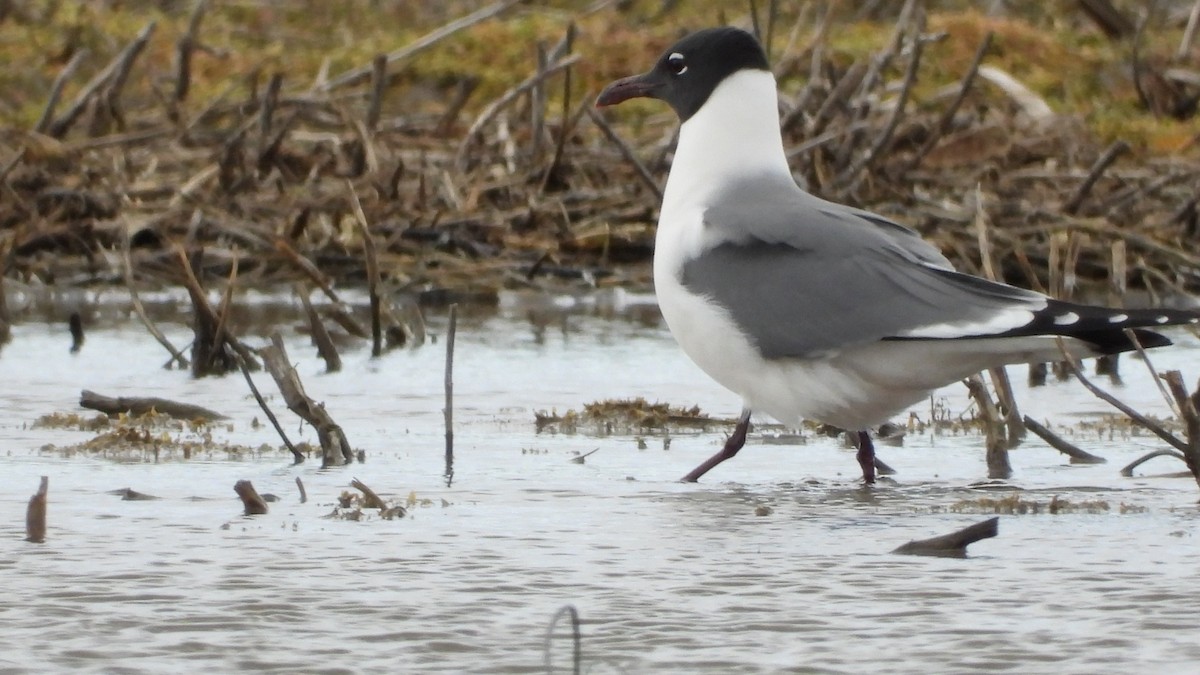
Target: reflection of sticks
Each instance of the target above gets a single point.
(303, 494)
(262, 403)
(1077, 454)
(35, 514)
(953, 545)
(449, 383)
(138, 405)
(1128, 470)
(577, 652)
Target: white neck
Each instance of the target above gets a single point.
(735, 134)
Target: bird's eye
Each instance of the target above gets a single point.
(675, 64)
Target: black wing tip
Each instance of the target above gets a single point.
(1116, 342)
(1113, 331)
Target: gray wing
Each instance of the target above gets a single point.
(797, 302)
(775, 210)
(801, 276)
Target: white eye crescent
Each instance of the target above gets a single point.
(675, 64)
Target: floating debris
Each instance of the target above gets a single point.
(627, 416)
(1018, 504)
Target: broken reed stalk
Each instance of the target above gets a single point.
(1189, 32)
(1013, 422)
(999, 374)
(335, 448)
(1118, 281)
(35, 514)
(855, 173)
(143, 405)
(1106, 159)
(947, 118)
(1158, 380)
(576, 639)
(75, 325)
(184, 49)
(626, 152)
(370, 499)
(306, 266)
(1191, 420)
(537, 107)
(252, 502)
(209, 355)
(379, 81)
(494, 108)
(56, 89)
(953, 545)
(448, 411)
(5, 323)
(297, 456)
(994, 429)
(112, 78)
(320, 336)
(566, 125)
(219, 334)
(303, 493)
(1077, 454)
(373, 276)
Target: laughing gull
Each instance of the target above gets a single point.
(814, 310)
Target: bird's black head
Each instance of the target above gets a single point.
(690, 69)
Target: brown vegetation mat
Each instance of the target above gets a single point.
(1055, 140)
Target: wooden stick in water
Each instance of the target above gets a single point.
(448, 411)
(1078, 455)
(140, 405)
(953, 545)
(251, 500)
(35, 515)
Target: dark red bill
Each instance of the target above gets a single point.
(626, 88)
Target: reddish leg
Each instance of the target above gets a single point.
(866, 457)
(732, 445)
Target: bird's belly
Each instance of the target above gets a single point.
(831, 389)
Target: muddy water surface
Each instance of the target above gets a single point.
(668, 578)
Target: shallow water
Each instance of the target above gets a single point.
(666, 577)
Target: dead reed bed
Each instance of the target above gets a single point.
(313, 178)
